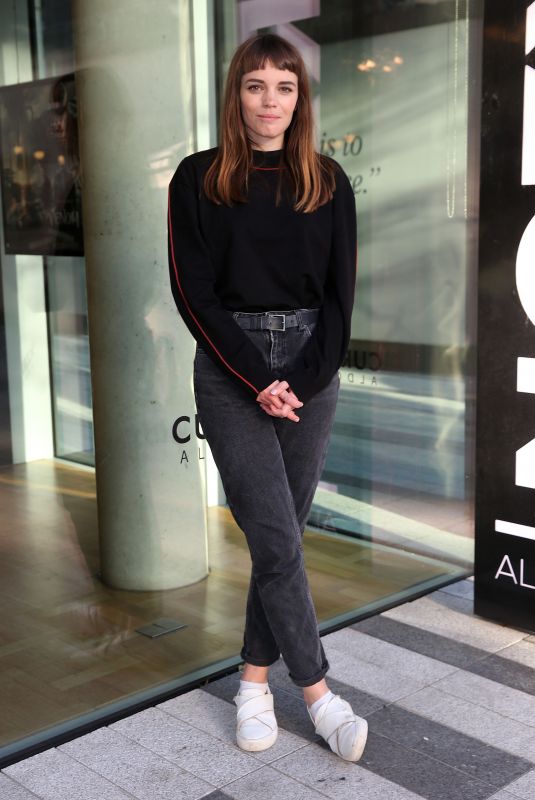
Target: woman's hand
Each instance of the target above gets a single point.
(278, 400)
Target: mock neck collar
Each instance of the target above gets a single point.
(266, 158)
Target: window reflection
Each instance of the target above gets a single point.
(393, 102)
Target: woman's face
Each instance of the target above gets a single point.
(268, 97)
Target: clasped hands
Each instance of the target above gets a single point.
(278, 400)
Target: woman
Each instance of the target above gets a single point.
(262, 258)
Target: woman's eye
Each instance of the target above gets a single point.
(255, 86)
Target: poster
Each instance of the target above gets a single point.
(40, 168)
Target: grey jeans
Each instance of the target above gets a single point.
(270, 468)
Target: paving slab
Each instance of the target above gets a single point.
(434, 616)
(54, 775)
(507, 671)
(490, 694)
(378, 652)
(455, 601)
(464, 588)
(434, 742)
(418, 640)
(524, 787)
(417, 772)
(11, 790)
(522, 652)
(269, 783)
(136, 770)
(217, 717)
(381, 681)
(209, 758)
(473, 720)
(323, 771)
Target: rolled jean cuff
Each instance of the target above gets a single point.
(258, 662)
(314, 678)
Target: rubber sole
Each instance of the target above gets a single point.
(360, 743)
(256, 745)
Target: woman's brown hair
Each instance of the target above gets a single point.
(311, 174)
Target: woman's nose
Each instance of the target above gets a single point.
(269, 98)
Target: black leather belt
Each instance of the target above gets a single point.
(274, 320)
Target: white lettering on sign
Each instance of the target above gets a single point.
(525, 380)
(525, 273)
(514, 529)
(525, 466)
(522, 582)
(528, 136)
(525, 270)
(525, 375)
(506, 570)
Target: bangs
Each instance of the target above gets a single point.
(269, 48)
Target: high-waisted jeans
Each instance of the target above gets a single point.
(270, 468)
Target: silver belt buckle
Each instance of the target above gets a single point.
(283, 316)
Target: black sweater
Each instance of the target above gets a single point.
(255, 256)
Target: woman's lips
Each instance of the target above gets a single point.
(267, 116)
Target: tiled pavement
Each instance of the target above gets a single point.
(449, 697)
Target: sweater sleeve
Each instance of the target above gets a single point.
(192, 284)
(326, 349)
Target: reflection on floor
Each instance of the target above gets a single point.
(68, 643)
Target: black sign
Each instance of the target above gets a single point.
(505, 436)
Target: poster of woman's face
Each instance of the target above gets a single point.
(40, 168)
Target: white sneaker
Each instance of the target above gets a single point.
(256, 727)
(344, 731)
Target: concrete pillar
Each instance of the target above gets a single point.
(134, 91)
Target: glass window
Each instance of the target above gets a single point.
(396, 97)
(69, 351)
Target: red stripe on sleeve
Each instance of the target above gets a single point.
(188, 306)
